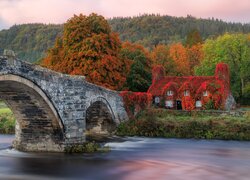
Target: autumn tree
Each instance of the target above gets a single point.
(179, 55)
(88, 47)
(195, 56)
(139, 75)
(160, 56)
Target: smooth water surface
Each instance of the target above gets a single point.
(134, 158)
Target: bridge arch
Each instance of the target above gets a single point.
(100, 117)
(38, 125)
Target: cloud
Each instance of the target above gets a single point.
(58, 11)
(49, 11)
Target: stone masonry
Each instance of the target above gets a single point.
(51, 108)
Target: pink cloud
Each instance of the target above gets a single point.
(58, 11)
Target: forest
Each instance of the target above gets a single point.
(119, 53)
(31, 41)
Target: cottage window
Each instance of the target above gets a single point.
(186, 93)
(157, 100)
(198, 104)
(169, 104)
(170, 93)
(205, 93)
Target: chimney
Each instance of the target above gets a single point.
(158, 73)
(222, 73)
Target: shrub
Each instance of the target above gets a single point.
(135, 102)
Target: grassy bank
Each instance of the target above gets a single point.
(7, 120)
(171, 124)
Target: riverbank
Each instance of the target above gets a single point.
(169, 124)
(172, 124)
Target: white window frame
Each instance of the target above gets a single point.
(205, 93)
(198, 104)
(169, 104)
(186, 93)
(157, 99)
(170, 93)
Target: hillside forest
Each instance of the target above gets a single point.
(119, 53)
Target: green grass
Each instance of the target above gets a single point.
(7, 120)
(5, 111)
(172, 124)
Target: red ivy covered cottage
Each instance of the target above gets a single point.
(192, 92)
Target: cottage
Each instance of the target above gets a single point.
(192, 92)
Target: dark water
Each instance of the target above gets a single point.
(135, 158)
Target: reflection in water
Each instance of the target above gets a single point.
(133, 158)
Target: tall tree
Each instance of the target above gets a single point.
(88, 47)
(160, 56)
(180, 57)
(139, 76)
(195, 56)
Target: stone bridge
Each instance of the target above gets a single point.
(55, 110)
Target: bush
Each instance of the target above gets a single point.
(135, 102)
(210, 105)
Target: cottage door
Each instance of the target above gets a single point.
(178, 105)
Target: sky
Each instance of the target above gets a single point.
(58, 11)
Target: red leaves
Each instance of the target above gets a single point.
(216, 88)
(188, 103)
(135, 101)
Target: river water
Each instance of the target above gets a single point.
(133, 159)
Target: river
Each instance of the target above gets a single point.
(133, 159)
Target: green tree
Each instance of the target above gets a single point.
(233, 49)
(139, 75)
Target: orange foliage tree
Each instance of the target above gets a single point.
(88, 47)
(179, 55)
(195, 56)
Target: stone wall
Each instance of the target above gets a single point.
(233, 113)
